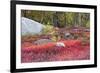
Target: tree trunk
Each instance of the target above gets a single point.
(55, 19)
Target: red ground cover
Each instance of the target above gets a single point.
(73, 50)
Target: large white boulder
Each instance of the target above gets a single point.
(30, 27)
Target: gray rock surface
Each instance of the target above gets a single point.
(30, 27)
(42, 41)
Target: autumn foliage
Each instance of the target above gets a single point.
(74, 50)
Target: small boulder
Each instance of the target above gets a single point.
(60, 44)
(42, 41)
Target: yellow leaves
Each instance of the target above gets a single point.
(54, 38)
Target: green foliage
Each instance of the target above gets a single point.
(60, 19)
(48, 29)
(88, 24)
(70, 18)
